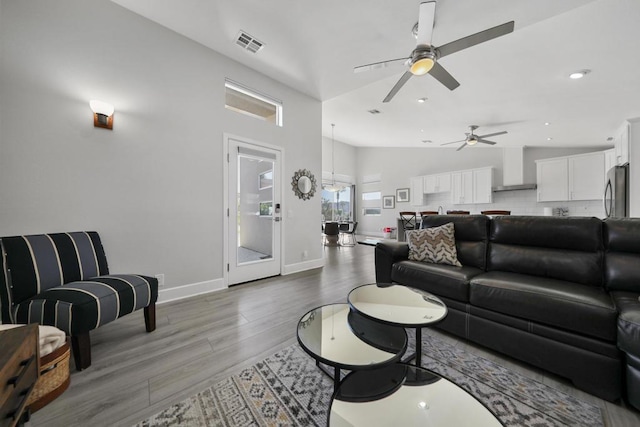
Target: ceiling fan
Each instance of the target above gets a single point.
(473, 139)
(424, 58)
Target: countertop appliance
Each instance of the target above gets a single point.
(616, 192)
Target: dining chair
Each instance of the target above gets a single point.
(425, 213)
(348, 234)
(409, 222)
(495, 212)
(331, 234)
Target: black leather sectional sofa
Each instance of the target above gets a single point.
(560, 293)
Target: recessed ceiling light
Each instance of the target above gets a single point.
(421, 130)
(549, 139)
(547, 123)
(610, 139)
(427, 141)
(422, 100)
(579, 74)
(374, 111)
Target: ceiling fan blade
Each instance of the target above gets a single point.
(381, 64)
(484, 141)
(425, 22)
(443, 76)
(475, 39)
(492, 134)
(462, 146)
(405, 77)
(454, 142)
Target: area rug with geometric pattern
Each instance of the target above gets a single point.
(288, 389)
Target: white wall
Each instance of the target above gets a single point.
(344, 159)
(152, 187)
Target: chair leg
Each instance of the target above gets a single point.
(81, 345)
(150, 317)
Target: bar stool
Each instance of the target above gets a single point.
(496, 212)
(458, 212)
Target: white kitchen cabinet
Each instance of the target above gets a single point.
(579, 177)
(462, 187)
(552, 178)
(609, 160)
(621, 141)
(439, 183)
(482, 184)
(417, 191)
(586, 176)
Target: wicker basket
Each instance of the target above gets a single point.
(54, 378)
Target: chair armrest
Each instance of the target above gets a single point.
(387, 254)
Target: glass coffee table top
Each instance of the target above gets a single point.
(405, 395)
(335, 335)
(397, 305)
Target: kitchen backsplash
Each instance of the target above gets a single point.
(519, 202)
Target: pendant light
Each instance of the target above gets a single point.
(333, 187)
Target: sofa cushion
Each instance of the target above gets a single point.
(471, 234)
(568, 249)
(571, 306)
(435, 244)
(439, 279)
(81, 306)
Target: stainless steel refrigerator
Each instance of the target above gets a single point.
(616, 192)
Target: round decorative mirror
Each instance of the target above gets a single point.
(303, 184)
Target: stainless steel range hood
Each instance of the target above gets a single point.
(515, 187)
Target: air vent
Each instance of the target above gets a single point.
(248, 42)
(374, 111)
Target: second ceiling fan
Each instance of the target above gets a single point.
(424, 58)
(473, 139)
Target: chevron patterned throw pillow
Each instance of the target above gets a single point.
(436, 245)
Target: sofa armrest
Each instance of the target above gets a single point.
(628, 321)
(387, 254)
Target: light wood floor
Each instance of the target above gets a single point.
(201, 340)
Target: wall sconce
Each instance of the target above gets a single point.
(102, 114)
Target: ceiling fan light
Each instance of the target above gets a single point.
(422, 66)
(472, 141)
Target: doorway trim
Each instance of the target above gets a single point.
(225, 197)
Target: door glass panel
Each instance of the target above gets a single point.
(255, 209)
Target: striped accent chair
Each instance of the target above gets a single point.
(62, 280)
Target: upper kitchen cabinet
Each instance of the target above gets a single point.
(552, 178)
(462, 187)
(472, 186)
(439, 183)
(586, 176)
(482, 185)
(579, 177)
(609, 160)
(621, 141)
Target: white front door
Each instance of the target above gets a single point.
(254, 211)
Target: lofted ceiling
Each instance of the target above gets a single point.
(515, 83)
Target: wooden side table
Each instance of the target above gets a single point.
(19, 371)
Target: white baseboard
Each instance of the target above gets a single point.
(192, 289)
(302, 266)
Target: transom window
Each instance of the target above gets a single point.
(251, 103)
